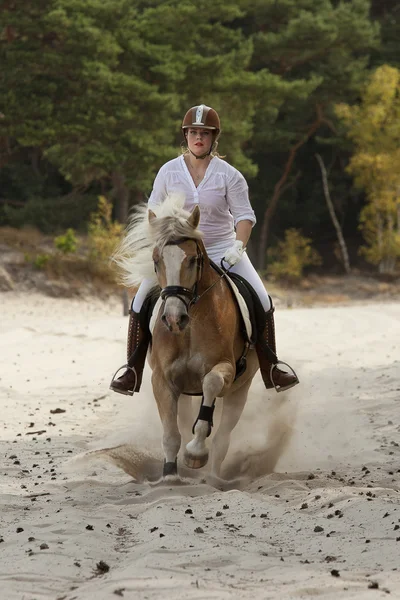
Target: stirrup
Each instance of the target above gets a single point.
(279, 388)
(125, 392)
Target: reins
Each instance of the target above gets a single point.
(224, 274)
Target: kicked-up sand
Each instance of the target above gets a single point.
(310, 506)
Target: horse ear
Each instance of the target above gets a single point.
(194, 218)
(152, 215)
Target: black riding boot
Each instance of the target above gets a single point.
(266, 352)
(138, 343)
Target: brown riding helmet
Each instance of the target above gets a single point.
(201, 116)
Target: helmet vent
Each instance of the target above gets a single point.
(199, 115)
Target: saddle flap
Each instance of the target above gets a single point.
(249, 303)
(244, 309)
(154, 314)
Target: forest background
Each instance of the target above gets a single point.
(92, 94)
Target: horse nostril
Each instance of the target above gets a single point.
(165, 321)
(183, 321)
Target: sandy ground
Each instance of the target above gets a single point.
(74, 525)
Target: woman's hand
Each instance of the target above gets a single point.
(234, 253)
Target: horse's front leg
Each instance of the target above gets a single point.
(167, 404)
(220, 376)
(187, 407)
(231, 411)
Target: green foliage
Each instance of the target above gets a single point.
(288, 260)
(388, 52)
(40, 261)
(374, 127)
(92, 94)
(104, 235)
(104, 98)
(66, 243)
(382, 237)
(50, 215)
(312, 54)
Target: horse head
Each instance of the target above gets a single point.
(178, 263)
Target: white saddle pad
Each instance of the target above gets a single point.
(241, 302)
(242, 306)
(154, 314)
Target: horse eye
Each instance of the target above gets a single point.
(192, 261)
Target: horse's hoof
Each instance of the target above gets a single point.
(195, 462)
(172, 479)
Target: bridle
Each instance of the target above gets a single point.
(186, 295)
(189, 297)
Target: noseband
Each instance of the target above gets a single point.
(188, 296)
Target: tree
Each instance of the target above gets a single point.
(93, 92)
(321, 48)
(387, 12)
(77, 91)
(99, 87)
(374, 128)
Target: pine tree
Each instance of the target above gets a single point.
(319, 50)
(99, 87)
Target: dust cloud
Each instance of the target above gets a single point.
(258, 442)
(294, 431)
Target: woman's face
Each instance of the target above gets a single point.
(199, 140)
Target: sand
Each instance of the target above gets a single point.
(83, 515)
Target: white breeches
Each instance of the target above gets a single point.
(244, 268)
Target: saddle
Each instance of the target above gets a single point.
(256, 312)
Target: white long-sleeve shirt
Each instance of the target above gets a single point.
(223, 197)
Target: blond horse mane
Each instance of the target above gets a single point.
(133, 256)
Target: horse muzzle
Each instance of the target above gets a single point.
(175, 322)
(175, 316)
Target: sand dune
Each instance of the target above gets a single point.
(314, 510)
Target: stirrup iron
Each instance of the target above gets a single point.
(279, 388)
(125, 392)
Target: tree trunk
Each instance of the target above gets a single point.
(280, 187)
(120, 193)
(388, 263)
(336, 224)
(35, 156)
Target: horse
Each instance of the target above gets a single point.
(197, 338)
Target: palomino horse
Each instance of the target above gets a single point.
(197, 337)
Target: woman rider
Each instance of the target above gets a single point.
(227, 219)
